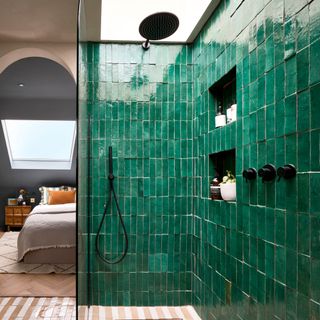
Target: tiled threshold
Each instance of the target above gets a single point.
(138, 313)
(21, 308)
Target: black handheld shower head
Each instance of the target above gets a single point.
(108, 206)
(110, 176)
(158, 26)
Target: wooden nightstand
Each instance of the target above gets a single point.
(16, 215)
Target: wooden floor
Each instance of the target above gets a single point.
(37, 285)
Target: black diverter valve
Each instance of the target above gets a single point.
(249, 174)
(288, 171)
(267, 172)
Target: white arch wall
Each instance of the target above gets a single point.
(63, 53)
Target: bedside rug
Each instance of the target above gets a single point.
(9, 264)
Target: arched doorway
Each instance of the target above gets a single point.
(33, 88)
(23, 53)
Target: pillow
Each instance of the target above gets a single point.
(61, 196)
(68, 188)
(44, 192)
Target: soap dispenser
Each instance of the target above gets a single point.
(220, 119)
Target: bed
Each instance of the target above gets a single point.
(49, 235)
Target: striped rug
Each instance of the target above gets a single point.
(138, 313)
(19, 308)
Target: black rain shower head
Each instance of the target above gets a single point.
(158, 26)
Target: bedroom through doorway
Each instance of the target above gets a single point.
(38, 143)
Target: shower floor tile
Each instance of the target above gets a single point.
(138, 313)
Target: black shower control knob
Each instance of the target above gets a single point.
(249, 174)
(267, 172)
(288, 171)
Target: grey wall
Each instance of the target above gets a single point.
(55, 100)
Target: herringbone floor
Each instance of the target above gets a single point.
(39, 285)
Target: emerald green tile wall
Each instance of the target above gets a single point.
(258, 257)
(140, 103)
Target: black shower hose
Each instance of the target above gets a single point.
(106, 206)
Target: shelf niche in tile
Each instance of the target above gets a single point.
(221, 162)
(224, 91)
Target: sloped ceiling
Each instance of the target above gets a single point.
(38, 20)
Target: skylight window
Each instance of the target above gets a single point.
(40, 144)
(120, 19)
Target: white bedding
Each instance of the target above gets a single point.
(54, 208)
(48, 226)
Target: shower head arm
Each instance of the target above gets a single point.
(146, 44)
(158, 26)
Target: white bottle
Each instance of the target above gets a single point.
(220, 119)
(234, 112)
(229, 115)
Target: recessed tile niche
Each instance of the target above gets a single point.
(221, 162)
(224, 91)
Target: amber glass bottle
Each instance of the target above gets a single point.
(215, 189)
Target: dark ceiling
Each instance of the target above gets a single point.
(42, 78)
